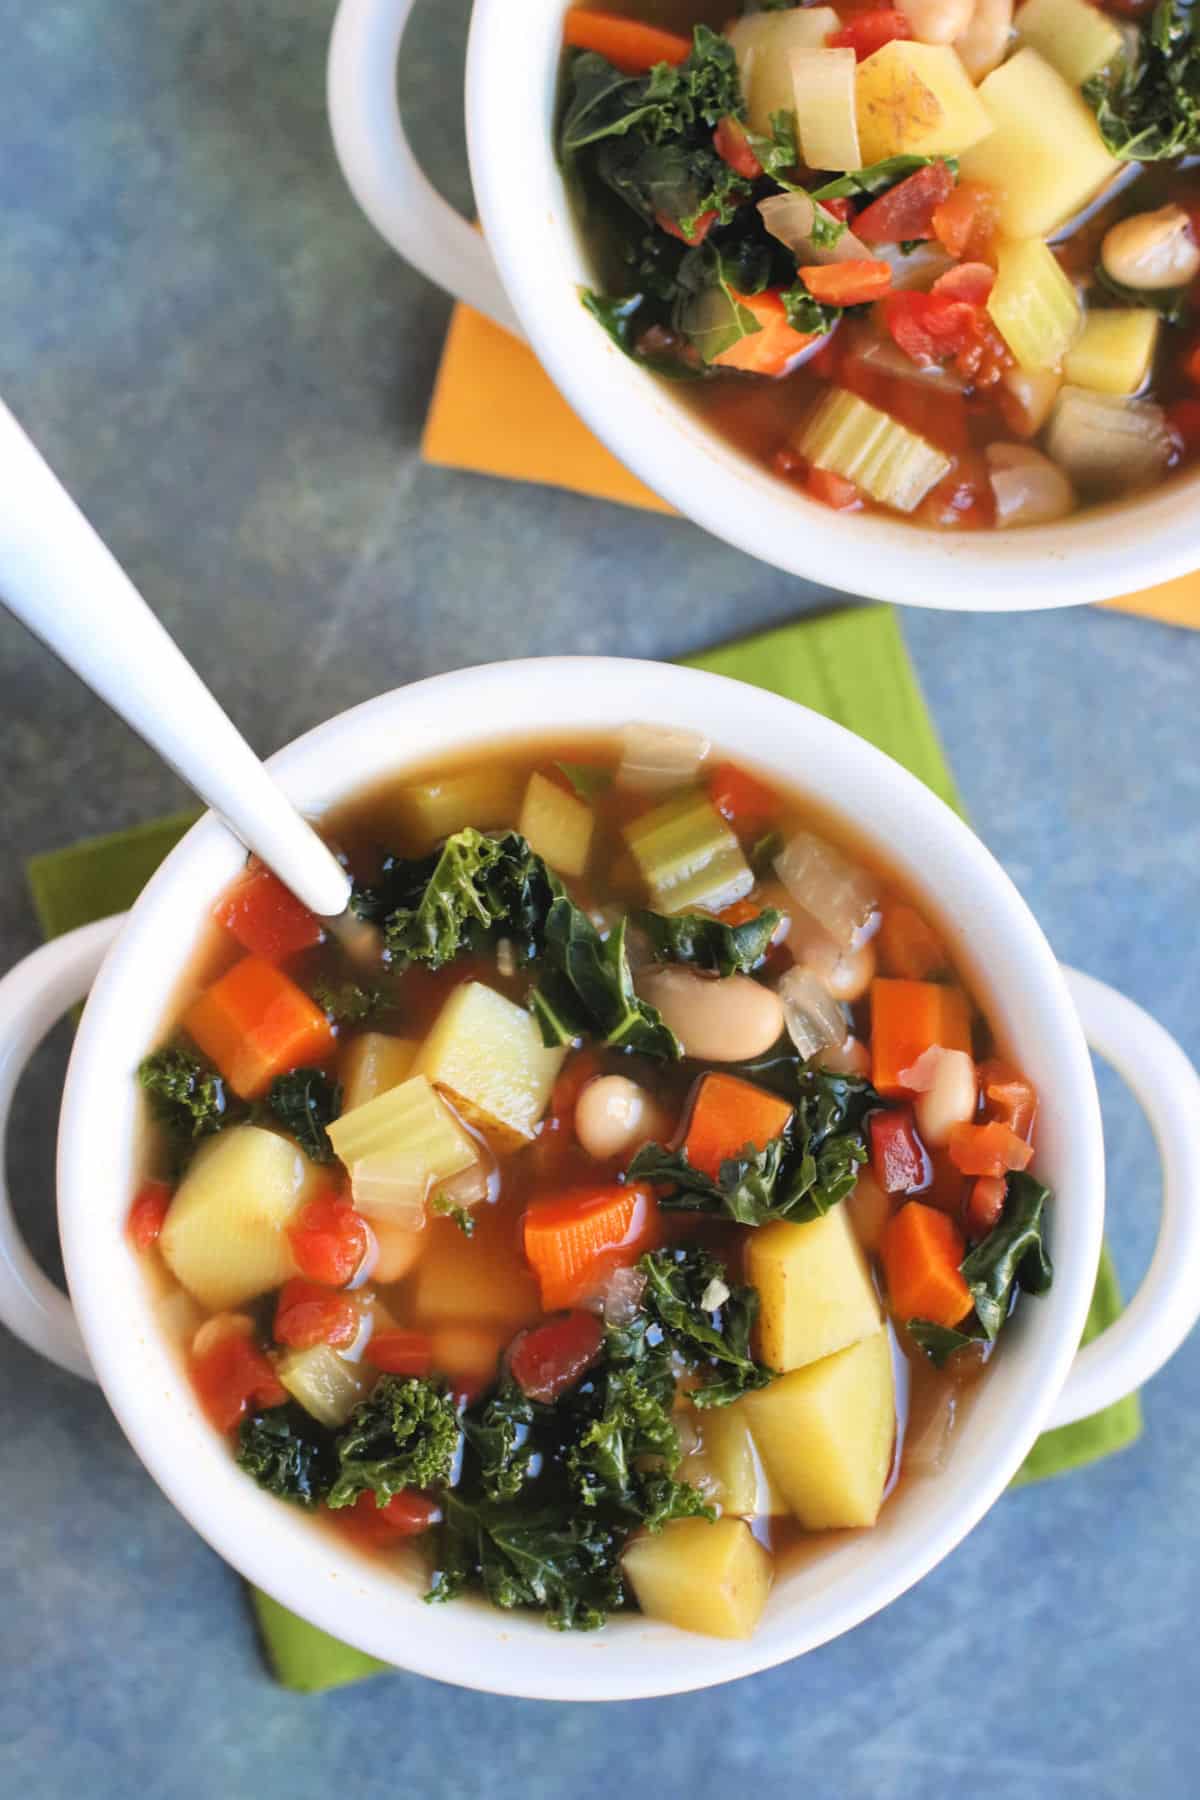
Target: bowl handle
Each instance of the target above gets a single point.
(1167, 1304)
(33, 997)
(381, 170)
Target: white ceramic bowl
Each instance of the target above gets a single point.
(1037, 1380)
(528, 279)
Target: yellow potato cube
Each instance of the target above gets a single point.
(826, 1434)
(557, 825)
(1073, 35)
(726, 1467)
(916, 99)
(1045, 158)
(488, 1055)
(373, 1063)
(224, 1239)
(815, 1290)
(708, 1577)
(432, 810)
(1114, 352)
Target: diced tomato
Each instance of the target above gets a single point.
(963, 500)
(932, 328)
(851, 283)
(307, 1314)
(700, 230)
(991, 1149)
(964, 223)
(972, 282)
(985, 1204)
(405, 1515)
(148, 1213)
(550, 1359)
(842, 208)
(400, 1353)
(266, 918)
(732, 145)
(329, 1240)
(906, 211)
(868, 32)
(833, 490)
(746, 803)
(230, 1374)
(787, 463)
(898, 1157)
(1009, 1096)
(1183, 417)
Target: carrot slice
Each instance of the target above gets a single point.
(921, 1251)
(849, 283)
(907, 946)
(628, 44)
(576, 1238)
(768, 350)
(728, 1114)
(907, 1018)
(255, 1024)
(991, 1149)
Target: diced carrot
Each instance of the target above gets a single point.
(740, 913)
(991, 1149)
(832, 490)
(851, 283)
(255, 1024)
(907, 1017)
(907, 946)
(573, 1240)
(1009, 1096)
(921, 1252)
(867, 32)
(548, 1360)
(307, 1314)
(148, 1214)
(401, 1352)
(985, 1204)
(738, 797)
(768, 350)
(732, 145)
(628, 44)
(964, 223)
(728, 1114)
(700, 230)
(230, 1374)
(266, 918)
(328, 1240)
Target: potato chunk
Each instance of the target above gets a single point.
(726, 1467)
(1115, 351)
(916, 99)
(826, 1434)
(224, 1238)
(432, 810)
(814, 1287)
(488, 1055)
(701, 1576)
(557, 825)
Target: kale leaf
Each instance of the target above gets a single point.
(288, 1453)
(805, 312)
(1148, 106)
(462, 1216)
(500, 1432)
(305, 1102)
(706, 1321)
(876, 178)
(565, 1562)
(587, 988)
(1012, 1254)
(346, 1003)
(709, 943)
(668, 103)
(587, 779)
(479, 882)
(625, 320)
(404, 1434)
(187, 1095)
(799, 1176)
(939, 1342)
(778, 154)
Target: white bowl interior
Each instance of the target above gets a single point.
(533, 234)
(306, 1568)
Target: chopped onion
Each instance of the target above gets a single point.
(920, 1077)
(367, 1266)
(1106, 443)
(840, 896)
(392, 1187)
(714, 1296)
(789, 217)
(826, 113)
(920, 268)
(621, 1296)
(478, 1181)
(889, 359)
(1028, 488)
(657, 758)
(813, 1017)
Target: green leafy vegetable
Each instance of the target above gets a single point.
(1148, 106)
(714, 320)
(187, 1095)
(626, 322)
(1012, 1254)
(709, 943)
(404, 1434)
(587, 987)
(939, 1342)
(877, 177)
(305, 1102)
(565, 1562)
(706, 1321)
(461, 1215)
(778, 153)
(288, 1453)
(805, 313)
(764, 852)
(500, 1432)
(346, 1003)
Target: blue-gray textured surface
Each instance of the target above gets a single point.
(230, 372)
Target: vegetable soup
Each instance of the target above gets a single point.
(636, 1203)
(937, 258)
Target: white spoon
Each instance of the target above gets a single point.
(64, 584)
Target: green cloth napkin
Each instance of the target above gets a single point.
(850, 665)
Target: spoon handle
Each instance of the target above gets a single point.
(64, 584)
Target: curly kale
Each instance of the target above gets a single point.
(1011, 1259)
(305, 1102)
(709, 943)
(405, 1434)
(1147, 106)
(346, 1003)
(705, 1321)
(187, 1095)
(288, 1453)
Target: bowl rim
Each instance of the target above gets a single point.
(305, 1569)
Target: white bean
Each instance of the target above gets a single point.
(846, 973)
(1027, 487)
(1028, 398)
(982, 45)
(937, 21)
(951, 1099)
(613, 1115)
(723, 1019)
(1152, 250)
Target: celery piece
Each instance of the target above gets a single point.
(488, 1055)
(433, 810)
(324, 1383)
(556, 825)
(1114, 351)
(409, 1121)
(852, 439)
(1106, 443)
(372, 1064)
(1033, 304)
(826, 116)
(688, 856)
(762, 43)
(1074, 36)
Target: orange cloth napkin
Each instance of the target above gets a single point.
(495, 411)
